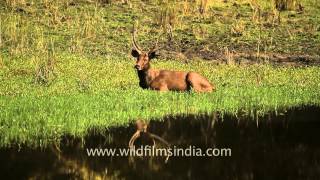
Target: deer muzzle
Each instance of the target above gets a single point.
(137, 67)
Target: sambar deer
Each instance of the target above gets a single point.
(165, 80)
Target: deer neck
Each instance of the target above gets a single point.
(146, 76)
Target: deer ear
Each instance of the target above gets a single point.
(152, 55)
(134, 53)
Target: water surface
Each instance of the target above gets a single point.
(282, 146)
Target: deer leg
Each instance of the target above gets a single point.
(159, 85)
(198, 83)
(163, 87)
(192, 81)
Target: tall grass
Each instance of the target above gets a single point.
(92, 28)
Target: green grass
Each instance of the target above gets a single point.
(35, 114)
(65, 69)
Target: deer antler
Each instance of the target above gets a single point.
(134, 42)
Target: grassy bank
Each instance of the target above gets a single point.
(108, 95)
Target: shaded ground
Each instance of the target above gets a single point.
(243, 58)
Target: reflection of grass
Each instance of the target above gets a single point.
(36, 114)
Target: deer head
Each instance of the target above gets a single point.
(143, 57)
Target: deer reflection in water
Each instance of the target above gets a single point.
(144, 138)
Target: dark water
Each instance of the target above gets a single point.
(282, 146)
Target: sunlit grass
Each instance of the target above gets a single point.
(101, 93)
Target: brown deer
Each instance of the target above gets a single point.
(165, 80)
